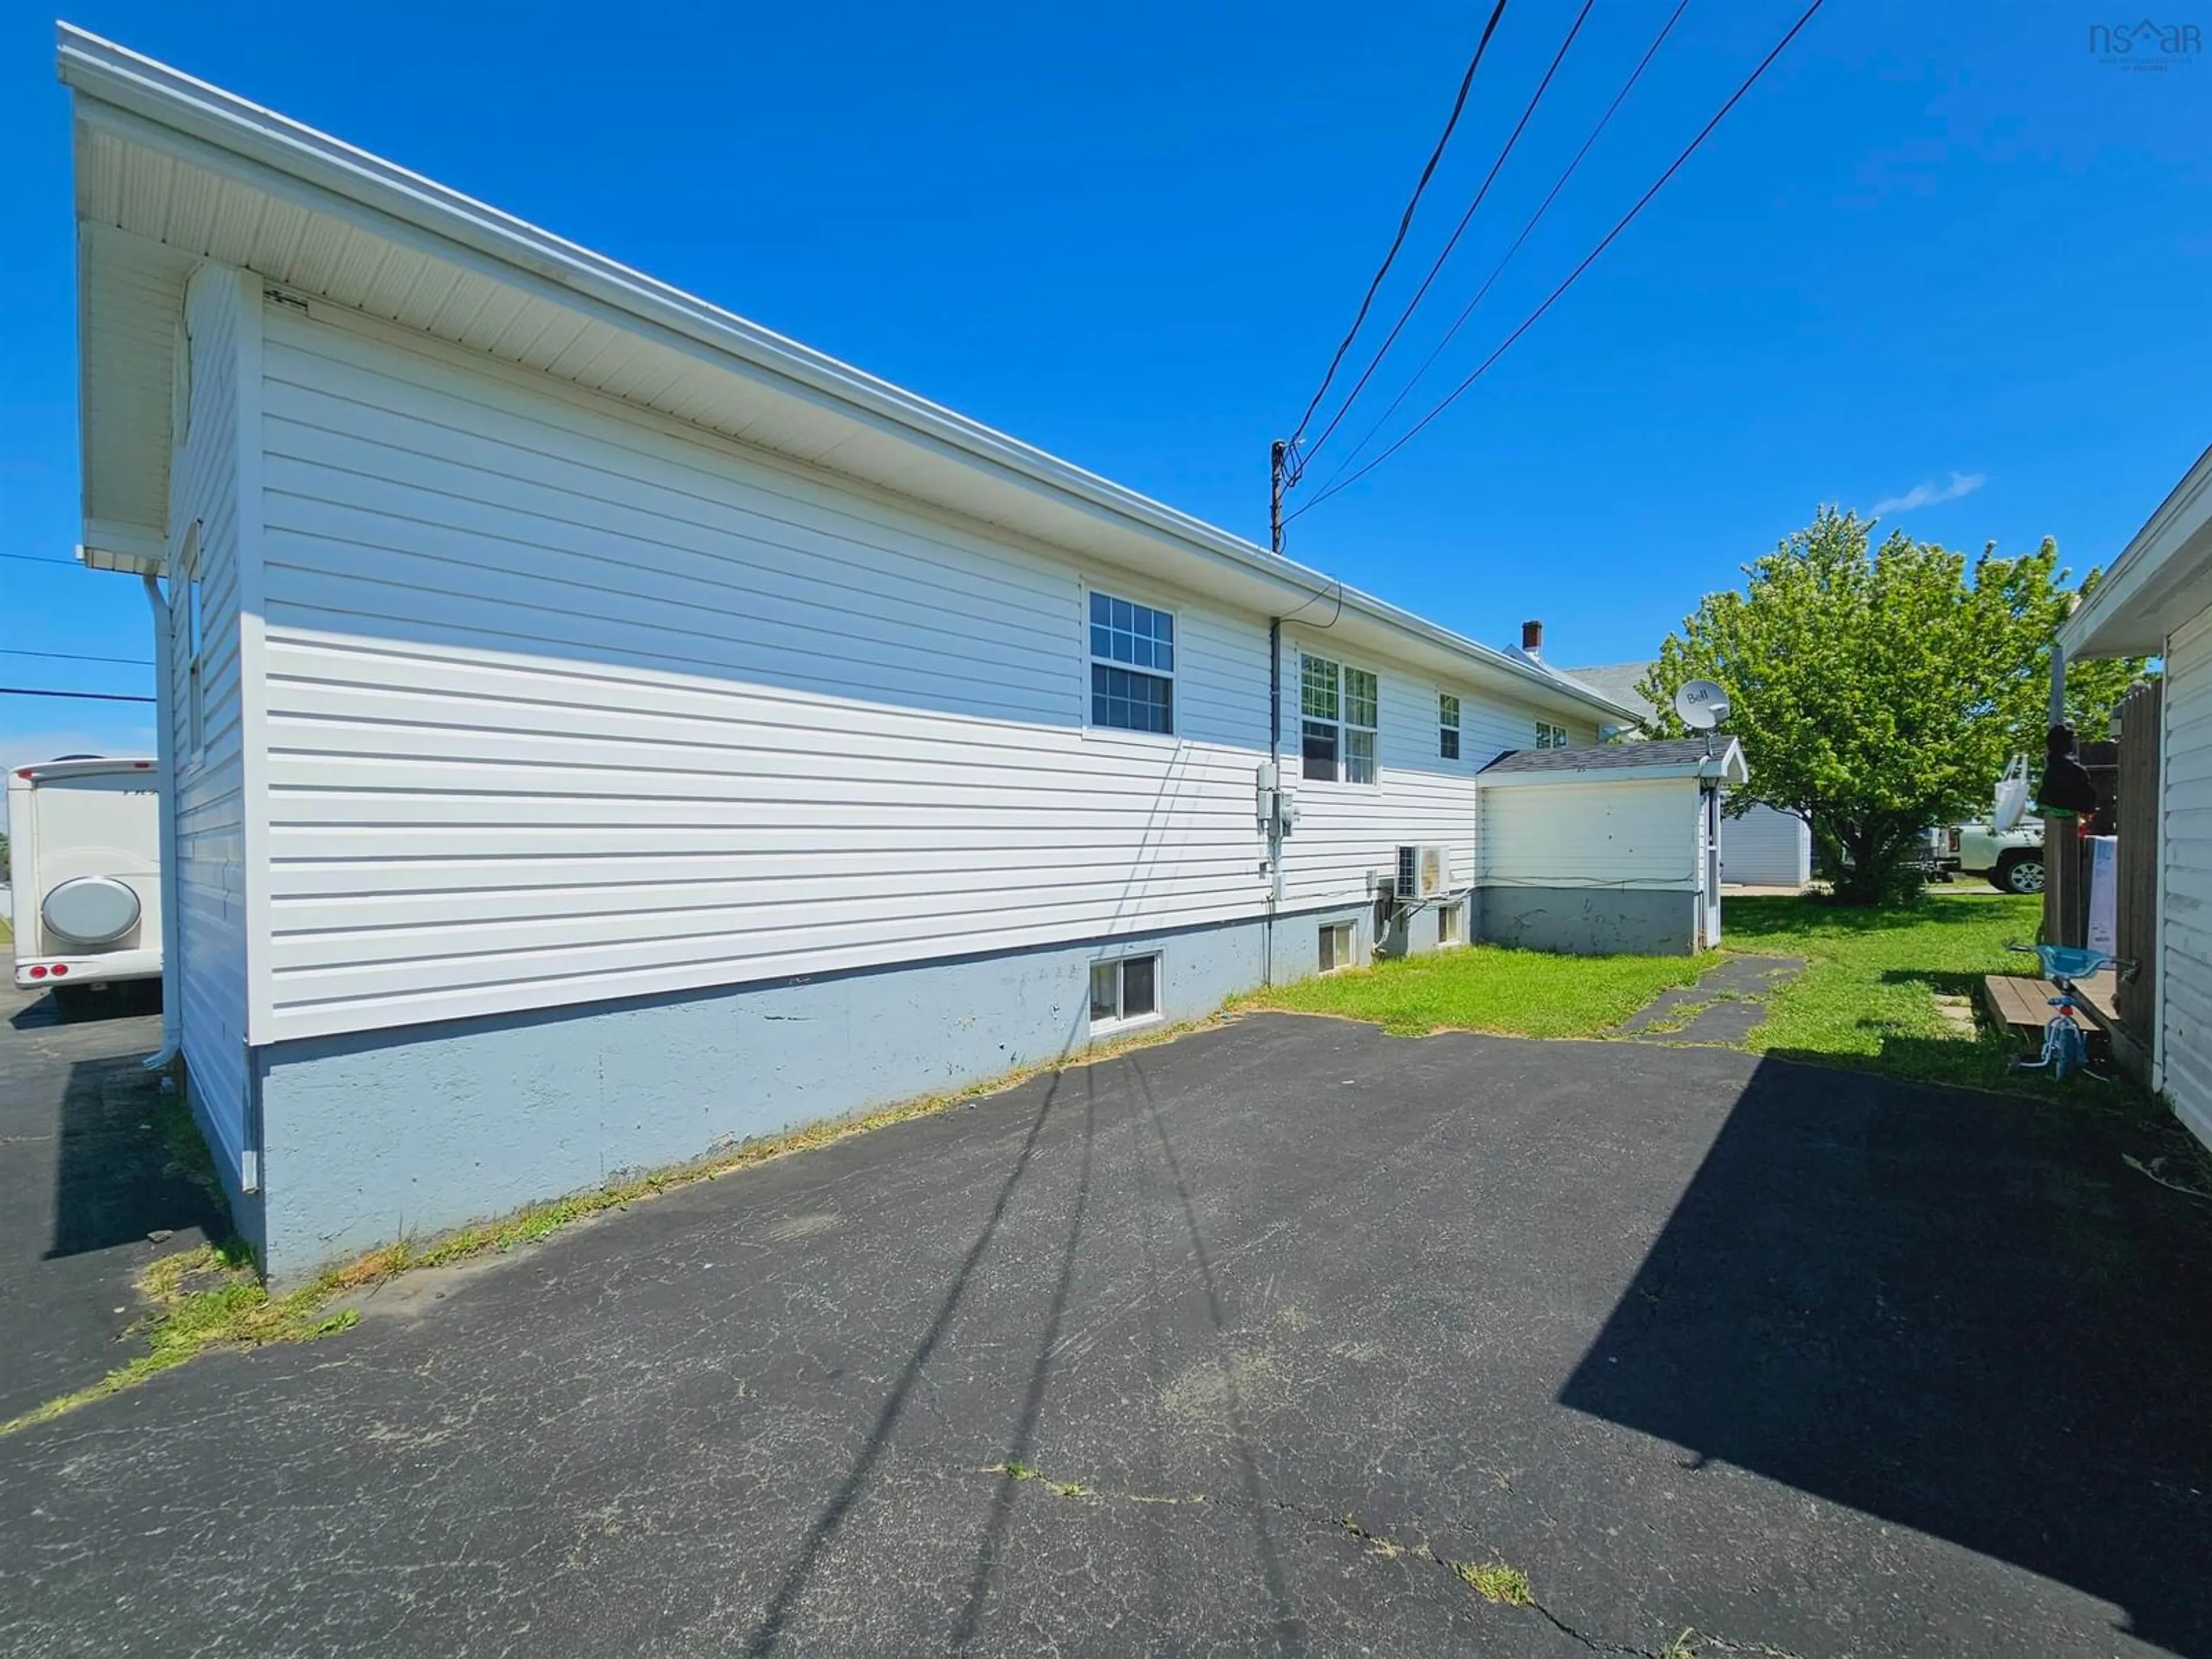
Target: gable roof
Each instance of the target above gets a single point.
(1594, 762)
(1616, 682)
(171, 172)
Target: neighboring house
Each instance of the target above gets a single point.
(1764, 847)
(2156, 600)
(598, 729)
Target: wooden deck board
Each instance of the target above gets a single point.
(2022, 1006)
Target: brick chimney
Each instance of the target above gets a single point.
(1532, 640)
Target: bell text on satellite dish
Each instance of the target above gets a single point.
(1701, 704)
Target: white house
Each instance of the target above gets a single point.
(2156, 600)
(599, 728)
(1761, 846)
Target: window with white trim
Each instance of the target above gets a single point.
(1550, 737)
(1337, 945)
(187, 621)
(1123, 990)
(1447, 726)
(1131, 665)
(1451, 924)
(1337, 707)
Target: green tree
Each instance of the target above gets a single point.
(1878, 690)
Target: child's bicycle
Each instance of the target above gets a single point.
(2065, 1050)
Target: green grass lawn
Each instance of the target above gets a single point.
(1866, 999)
(1482, 987)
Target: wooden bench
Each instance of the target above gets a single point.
(2022, 1005)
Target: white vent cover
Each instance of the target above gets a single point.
(90, 910)
(1423, 872)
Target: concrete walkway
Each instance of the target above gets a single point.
(1233, 1346)
(1724, 1007)
(89, 1193)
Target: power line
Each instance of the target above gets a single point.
(87, 697)
(67, 656)
(1405, 220)
(37, 558)
(1528, 322)
(1535, 218)
(1436, 267)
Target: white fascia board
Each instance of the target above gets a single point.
(138, 549)
(1727, 764)
(165, 101)
(2126, 615)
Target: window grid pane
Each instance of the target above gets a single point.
(1140, 986)
(1130, 702)
(1448, 710)
(1106, 990)
(1448, 742)
(1359, 698)
(1122, 631)
(1320, 752)
(1359, 756)
(1317, 688)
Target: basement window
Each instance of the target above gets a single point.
(1337, 709)
(1337, 945)
(1124, 991)
(1447, 726)
(1451, 924)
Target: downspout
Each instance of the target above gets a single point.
(165, 776)
(1275, 819)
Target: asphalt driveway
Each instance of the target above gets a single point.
(89, 1187)
(1231, 1345)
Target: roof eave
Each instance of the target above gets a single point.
(166, 100)
(2161, 578)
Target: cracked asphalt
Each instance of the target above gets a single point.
(1234, 1346)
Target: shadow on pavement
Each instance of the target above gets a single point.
(123, 1153)
(2015, 1361)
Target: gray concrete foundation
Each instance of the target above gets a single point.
(1590, 922)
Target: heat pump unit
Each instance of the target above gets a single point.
(1423, 872)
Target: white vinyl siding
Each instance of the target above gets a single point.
(2185, 980)
(1419, 798)
(205, 709)
(565, 704)
(1766, 848)
(1641, 833)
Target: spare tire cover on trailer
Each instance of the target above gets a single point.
(91, 910)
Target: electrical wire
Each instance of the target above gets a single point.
(1436, 267)
(1529, 321)
(1405, 220)
(1535, 219)
(40, 558)
(67, 656)
(87, 697)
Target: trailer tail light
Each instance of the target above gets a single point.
(38, 972)
(60, 967)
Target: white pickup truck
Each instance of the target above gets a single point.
(2006, 848)
(2010, 860)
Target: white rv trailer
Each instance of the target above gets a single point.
(84, 861)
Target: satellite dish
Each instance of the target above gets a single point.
(1701, 704)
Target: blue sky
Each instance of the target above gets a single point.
(1953, 251)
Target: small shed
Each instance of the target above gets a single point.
(1603, 849)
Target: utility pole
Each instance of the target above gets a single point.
(1275, 457)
